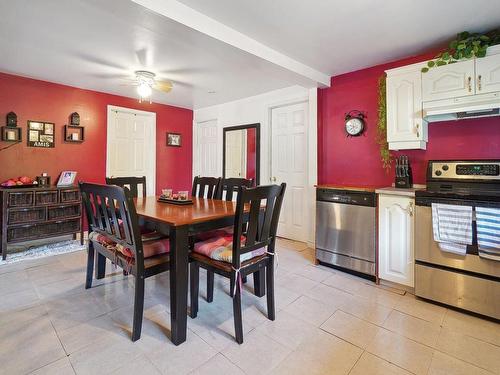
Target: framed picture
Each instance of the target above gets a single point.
(67, 178)
(174, 139)
(41, 134)
(49, 128)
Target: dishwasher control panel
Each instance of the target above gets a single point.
(354, 197)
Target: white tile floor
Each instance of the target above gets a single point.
(328, 322)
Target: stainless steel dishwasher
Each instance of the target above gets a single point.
(345, 229)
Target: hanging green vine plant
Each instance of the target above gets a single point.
(465, 46)
(385, 154)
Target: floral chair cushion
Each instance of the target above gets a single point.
(214, 234)
(152, 244)
(221, 248)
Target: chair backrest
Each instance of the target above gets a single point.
(205, 187)
(111, 212)
(260, 222)
(231, 186)
(131, 182)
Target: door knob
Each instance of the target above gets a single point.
(274, 179)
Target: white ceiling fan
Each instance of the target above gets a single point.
(146, 83)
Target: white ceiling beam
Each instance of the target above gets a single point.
(198, 21)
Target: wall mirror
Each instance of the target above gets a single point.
(241, 152)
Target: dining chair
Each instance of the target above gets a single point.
(114, 234)
(131, 182)
(228, 186)
(205, 187)
(249, 249)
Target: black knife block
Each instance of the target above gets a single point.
(404, 182)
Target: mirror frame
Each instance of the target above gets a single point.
(255, 126)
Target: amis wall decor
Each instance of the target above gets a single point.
(41, 134)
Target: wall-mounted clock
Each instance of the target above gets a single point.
(355, 123)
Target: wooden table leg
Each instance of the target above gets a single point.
(179, 250)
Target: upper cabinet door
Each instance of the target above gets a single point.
(404, 108)
(449, 81)
(488, 74)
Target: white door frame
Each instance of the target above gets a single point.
(152, 115)
(312, 154)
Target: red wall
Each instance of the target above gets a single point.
(356, 161)
(38, 100)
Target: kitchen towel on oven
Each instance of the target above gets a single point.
(488, 232)
(452, 227)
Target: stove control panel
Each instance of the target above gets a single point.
(471, 170)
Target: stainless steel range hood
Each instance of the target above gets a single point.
(474, 106)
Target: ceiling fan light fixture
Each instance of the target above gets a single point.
(145, 83)
(144, 90)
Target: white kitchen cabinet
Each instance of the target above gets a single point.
(396, 231)
(449, 81)
(488, 74)
(405, 127)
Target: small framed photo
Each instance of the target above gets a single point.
(174, 139)
(33, 136)
(49, 128)
(67, 178)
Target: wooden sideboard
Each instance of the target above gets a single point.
(38, 212)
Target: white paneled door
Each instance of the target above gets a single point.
(131, 145)
(236, 151)
(289, 164)
(206, 149)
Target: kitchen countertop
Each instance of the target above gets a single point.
(398, 191)
(370, 189)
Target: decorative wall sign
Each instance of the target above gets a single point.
(41, 134)
(174, 139)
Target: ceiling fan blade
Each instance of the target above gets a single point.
(165, 86)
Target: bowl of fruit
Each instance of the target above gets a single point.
(18, 182)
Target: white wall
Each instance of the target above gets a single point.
(257, 109)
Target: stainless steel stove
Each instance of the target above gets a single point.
(471, 281)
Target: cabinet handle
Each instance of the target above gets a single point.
(417, 131)
(409, 209)
(479, 82)
(469, 85)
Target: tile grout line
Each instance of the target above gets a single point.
(357, 360)
(392, 363)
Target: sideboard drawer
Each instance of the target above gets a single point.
(63, 211)
(25, 215)
(70, 195)
(20, 199)
(42, 230)
(46, 197)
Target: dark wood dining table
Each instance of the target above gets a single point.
(179, 222)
